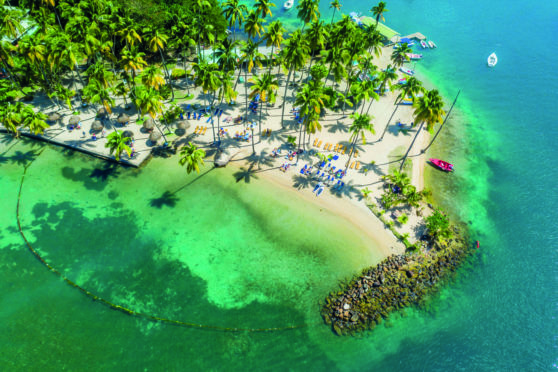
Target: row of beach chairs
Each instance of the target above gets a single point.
(200, 130)
(329, 147)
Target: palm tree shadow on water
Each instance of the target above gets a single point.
(20, 157)
(245, 174)
(170, 198)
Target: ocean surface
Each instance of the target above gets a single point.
(213, 251)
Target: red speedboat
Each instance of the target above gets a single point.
(443, 165)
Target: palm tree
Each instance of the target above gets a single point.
(378, 12)
(365, 92)
(265, 86)
(191, 157)
(337, 59)
(308, 11)
(385, 78)
(264, 7)
(336, 6)
(157, 42)
(152, 77)
(234, 12)
(227, 55)
(310, 100)
(208, 77)
(10, 116)
(96, 93)
(148, 100)
(132, 60)
(252, 56)
(98, 72)
(121, 89)
(429, 110)
(128, 33)
(361, 124)
(34, 121)
(317, 36)
(227, 93)
(254, 25)
(274, 38)
(410, 89)
(294, 57)
(34, 52)
(399, 56)
(116, 143)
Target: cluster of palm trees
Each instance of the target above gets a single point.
(330, 65)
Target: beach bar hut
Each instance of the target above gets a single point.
(123, 119)
(97, 126)
(148, 124)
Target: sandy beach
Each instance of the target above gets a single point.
(372, 160)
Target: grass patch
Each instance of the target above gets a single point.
(397, 154)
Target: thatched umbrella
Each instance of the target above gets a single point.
(123, 119)
(97, 126)
(53, 117)
(74, 120)
(128, 133)
(102, 112)
(149, 124)
(181, 127)
(154, 137)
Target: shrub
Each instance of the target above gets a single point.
(178, 73)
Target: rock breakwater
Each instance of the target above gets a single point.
(397, 282)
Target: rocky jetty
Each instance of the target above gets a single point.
(395, 283)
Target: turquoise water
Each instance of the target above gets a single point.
(214, 251)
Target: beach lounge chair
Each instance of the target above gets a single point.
(196, 130)
(319, 144)
(357, 165)
(315, 141)
(336, 147)
(325, 146)
(204, 129)
(352, 165)
(343, 152)
(356, 153)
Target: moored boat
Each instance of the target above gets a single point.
(407, 71)
(443, 165)
(288, 4)
(492, 60)
(414, 56)
(432, 45)
(423, 44)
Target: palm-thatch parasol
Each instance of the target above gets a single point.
(128, 133)
(181, 127)
(149, 124)
(154, 137)
(97, 126)
(53, 117)
(102, 112)
(123, 119)
(74, 120)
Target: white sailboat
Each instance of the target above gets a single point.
(288, 4)
(492, 60)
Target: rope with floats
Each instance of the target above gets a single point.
(124, 309)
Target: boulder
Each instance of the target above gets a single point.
(148, 124)
(154, 137)
(222, 158)
(97, 126)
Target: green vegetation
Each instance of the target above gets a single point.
(117, 143)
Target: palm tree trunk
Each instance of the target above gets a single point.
(285, 97)
(442, 125)
(169, 82)
(391, 117)
(410, 147)
(260, 123)
(270, 59)
(253, 146)
(333, 16)
(246, 92)
(353, 144)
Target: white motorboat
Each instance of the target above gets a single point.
(288, 4)
(423, 44)
(407, 71)
(431, 44)
(492, 60)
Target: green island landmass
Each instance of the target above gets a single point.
(166, 60)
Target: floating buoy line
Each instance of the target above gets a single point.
(124, 309)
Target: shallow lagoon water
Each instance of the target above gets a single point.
(498, 315)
